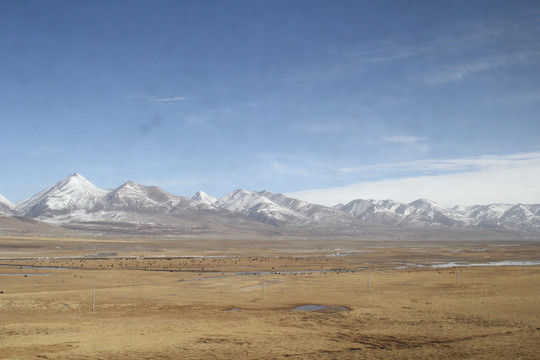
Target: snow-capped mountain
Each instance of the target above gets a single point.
(258, 207)
(6, 207)
(72, 193)
(522, 217)
(313, 212)
(133, 197)
(486, 216)
(426, 212)
(421, 212)
(77, 204)
(490, 213)
(278, 209)
(75, 200)
(381, 212)
(204, 198)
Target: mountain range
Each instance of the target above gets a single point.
(75, 203)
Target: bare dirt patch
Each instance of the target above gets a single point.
(204, 300)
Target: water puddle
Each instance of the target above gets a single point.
(1, 274)
(405, 266)
(492, 263)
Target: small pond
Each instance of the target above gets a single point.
(2, 274)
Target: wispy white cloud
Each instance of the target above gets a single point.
(402, 139)
(449, 165)
(285, 165)
(479, 180)
(156, 100)
(354, 61)
(457, 72)
(443, 59)
(167, 99)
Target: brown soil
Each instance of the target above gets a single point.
(204, 300)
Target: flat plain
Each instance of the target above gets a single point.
(77, 298)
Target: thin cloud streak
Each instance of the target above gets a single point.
(285, 166)
(158, 100)
(402, 139)
(167, 99)
(350, 62)
(454, 73)
(450, 165)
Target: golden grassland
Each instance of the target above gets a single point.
(205, 300)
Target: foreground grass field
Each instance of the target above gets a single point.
(189, 301)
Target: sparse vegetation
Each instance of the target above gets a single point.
(196, 299)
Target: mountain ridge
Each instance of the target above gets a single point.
(76, 200)
(6, 206)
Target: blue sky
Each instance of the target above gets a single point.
(328, 101)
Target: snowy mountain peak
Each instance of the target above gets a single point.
(72, 193)
(204, 198)
(139, 198)
(6, 207)
(75, 199)
(241, 200)
(240, 192)
(75, 183)
(6, 202)
(425, 204)
(357, 208)
(131, 185)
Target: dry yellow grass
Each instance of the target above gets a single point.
(193, 308)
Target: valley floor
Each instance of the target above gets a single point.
(221, 300)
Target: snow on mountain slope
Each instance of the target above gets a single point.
(426, 205)
(257, 207)
(535, 209)
(521, 217)
(357, 208)
(382, 212)
(72, 193)
(388, 204)
(426, 212)
(6, 207)
(490, 213)
(241, 200)
(133, 197)
(277, 209)
(76, 200)
(204, 198)
(6, 202)
(419, 212)
(312, 212)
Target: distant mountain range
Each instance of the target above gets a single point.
(75, 203)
